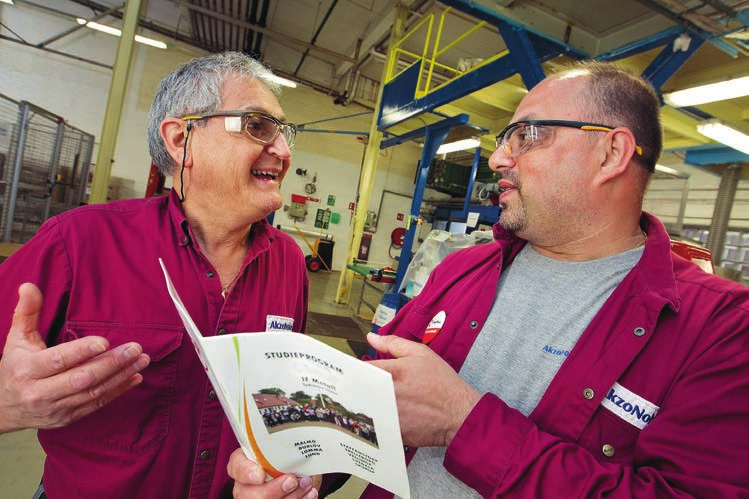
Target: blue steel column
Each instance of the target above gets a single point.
(669, 61)
(433, 139)
(472, 180)
(523, 54)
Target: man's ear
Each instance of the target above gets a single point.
(620, 148)
(174, 132)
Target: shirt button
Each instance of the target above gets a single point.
(210, 275)
(639, 331)
(588, 393)
(221, 331)
(206, 454)
(212, 395)
(474, 324)
(608, 450)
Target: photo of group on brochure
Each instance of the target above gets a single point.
(281, 412)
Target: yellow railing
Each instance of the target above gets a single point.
(430, 64)
(396, 51)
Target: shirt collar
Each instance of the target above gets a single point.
(655, 268)
(260, 230)
(181, 227)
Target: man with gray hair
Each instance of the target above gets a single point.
(95, 356)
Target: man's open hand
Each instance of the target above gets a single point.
(44, 387)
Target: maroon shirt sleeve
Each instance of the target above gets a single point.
(42, 261)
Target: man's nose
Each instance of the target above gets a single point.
(280, 147)
(500, 159)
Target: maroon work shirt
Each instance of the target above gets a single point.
(98, 269)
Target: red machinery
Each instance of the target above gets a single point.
(156, 182)
(700, 256)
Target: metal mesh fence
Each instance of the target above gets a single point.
(8, 148)
(72, 171)
(666, 198)
(44, 166)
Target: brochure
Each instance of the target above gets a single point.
(299, 406)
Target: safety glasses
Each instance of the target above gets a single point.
(263, 128)
(520, 136)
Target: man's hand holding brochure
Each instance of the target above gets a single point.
(299, 406)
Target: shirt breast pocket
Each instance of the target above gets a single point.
(139, 418)
(416, 322)
(610, 439)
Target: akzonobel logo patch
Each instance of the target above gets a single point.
(629, 406)
(278, 323)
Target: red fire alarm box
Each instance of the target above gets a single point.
(366, 243)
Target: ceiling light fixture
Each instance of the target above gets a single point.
(117, 32)
(729, 89)
(458, 146)
(724, 134)
(281, 81)
(670, 171)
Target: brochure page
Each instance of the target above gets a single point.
(299, 406)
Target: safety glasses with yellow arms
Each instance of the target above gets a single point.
(262, 128)
(520, 136)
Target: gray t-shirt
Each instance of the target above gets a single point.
(541, 309)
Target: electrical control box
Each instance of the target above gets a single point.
(298, 208)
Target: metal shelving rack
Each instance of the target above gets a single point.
(44, 167)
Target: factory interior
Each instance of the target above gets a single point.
(379, 91)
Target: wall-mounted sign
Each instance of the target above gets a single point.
(322, 219)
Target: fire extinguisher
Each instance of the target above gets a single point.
(366, 242)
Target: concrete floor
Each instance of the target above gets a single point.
(21, 457)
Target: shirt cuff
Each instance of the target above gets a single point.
(480, 452)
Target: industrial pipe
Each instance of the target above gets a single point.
(293, 230)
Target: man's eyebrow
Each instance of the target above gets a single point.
(260, 109)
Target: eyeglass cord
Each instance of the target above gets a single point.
(182, 171)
